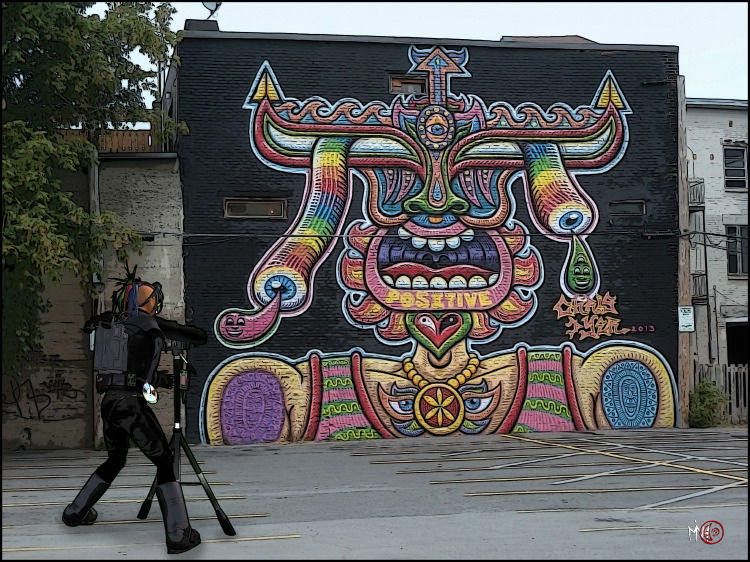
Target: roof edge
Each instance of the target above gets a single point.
(200, 34)
(716, 103)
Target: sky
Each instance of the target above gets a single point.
(711, 36)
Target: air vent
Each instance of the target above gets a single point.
(254, 208)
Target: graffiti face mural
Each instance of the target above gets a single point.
(439, 261)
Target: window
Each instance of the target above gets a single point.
(254, 208)
(408, 85)
(629, 207)
(736, 249)
(737, 334)
(735, 168)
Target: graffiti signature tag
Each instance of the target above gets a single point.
(592, 312)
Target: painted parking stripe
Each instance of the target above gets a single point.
(590, 490)
(625, 457)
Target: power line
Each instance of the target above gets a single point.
(730, 299)
(349, 236)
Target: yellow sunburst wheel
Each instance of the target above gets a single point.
(439, 408)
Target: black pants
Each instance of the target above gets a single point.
(127, 415)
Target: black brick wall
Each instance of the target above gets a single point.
(217, 161)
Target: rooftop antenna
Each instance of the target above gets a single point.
(212, 7)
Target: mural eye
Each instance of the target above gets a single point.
(230, 321)
(240, 321)
(437, 129)
(280, 283)
(475, 404)
(405, 406)
(586, 271)
(450, 320)
(571, 220)
(577, 270)
(426, 321)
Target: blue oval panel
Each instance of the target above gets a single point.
(629, 395)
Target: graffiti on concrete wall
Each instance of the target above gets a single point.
(440, 262)
(51, 398)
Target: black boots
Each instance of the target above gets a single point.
(81, 511)
(180, 536)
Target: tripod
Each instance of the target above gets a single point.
(178, 443)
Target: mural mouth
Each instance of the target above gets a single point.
(413, 268)
(466, 260)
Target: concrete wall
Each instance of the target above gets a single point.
(147, 194)
(342, 352)
(50, 404)
(708, 131)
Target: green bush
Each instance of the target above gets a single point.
(705, 404)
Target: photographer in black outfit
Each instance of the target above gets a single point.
(126, 413)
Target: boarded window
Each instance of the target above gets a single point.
(632, 207)
(254, 208)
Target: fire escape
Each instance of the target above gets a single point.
(697, 205)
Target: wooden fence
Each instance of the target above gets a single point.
(121, 141)
(733, 380)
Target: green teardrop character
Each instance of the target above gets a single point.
(580, 276)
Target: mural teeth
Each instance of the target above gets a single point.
(403, 233)
(436, 244)
(457, 282)
(477, 282)
(403, 282)
(388, 280)
(418, 242)
(453, 242)
(419, 282)
(467, 235)
(438, 283)
(493, 278)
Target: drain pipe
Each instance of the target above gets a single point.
(95, 209)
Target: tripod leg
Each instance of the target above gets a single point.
(226, 525)
(146, 505)
(175, 448)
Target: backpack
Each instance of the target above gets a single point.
(110, 348)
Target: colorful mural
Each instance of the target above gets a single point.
(439, 262)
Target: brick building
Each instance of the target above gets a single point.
(717, 164)
(396, 237)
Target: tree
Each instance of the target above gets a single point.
(65, 67)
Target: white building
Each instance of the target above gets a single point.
(717, 171)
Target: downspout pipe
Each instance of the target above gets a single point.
(95, 209)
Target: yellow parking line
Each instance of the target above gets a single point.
(588, 491)
(587, 509)
(625, 457)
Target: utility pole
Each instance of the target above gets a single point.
(684, 291)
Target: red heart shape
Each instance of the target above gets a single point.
(438, 329)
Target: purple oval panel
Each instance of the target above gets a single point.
(252, 409)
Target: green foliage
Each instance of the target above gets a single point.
(65, 67)
(705, 404)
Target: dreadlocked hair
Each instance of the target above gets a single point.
(125, 296)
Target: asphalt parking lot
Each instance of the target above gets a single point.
(640, 494)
